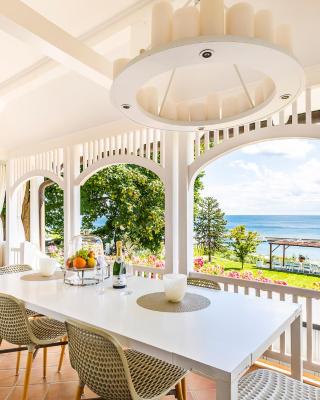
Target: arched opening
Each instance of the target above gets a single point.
(126, 202)
(270, 188)
(51, 210)
(37, 213)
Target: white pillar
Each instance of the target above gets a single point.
(186, 149)
(171, 200)
(35, 184)
(71, 166)
(11, 215)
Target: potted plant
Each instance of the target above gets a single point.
(302, 258)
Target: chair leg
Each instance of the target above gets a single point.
(18, 362)
(45, 357)
(80, 390)
(179, 391)
(184, 388)
(63, 349)
(27, 374)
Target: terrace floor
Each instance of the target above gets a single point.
(62, 386)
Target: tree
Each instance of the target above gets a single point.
(243, 242)
(128, 200)
(54, 216)
(131, 200)
(210, 226)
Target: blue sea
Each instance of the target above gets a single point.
(285, 226)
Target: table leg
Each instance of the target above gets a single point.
(296, 357)
(226, 390)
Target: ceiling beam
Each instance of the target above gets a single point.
(46, 69)
(22, 22)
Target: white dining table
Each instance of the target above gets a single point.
(220, 342)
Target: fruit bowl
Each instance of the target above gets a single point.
(85, 264)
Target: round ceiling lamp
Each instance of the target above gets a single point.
(242, 41)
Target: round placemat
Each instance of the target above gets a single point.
(36, 277)
(158, 302)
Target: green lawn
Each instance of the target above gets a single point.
(298, 280)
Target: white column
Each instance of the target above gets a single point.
(171, 155)
(11, 215)
(35, 184)
(71, 167)
(186, 148)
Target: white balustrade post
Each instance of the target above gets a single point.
(71, 168)
(186, 154)
(170, 147)
(11, 215)
(35, 184)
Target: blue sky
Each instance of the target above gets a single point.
(275, 177)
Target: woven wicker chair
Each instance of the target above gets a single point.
(117, 374)
(205, 283)
(264, 384)
(17, 328)
(14, 269)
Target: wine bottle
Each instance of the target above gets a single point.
(119, 269)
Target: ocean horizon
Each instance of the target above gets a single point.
(283, 226)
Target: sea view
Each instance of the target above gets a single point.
(291, 226)
(285, 226)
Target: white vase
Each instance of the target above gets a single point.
(47, 266)
(175, 286)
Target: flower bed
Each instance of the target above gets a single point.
(150, 261)
(200, 266)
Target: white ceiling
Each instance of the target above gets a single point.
(68, 102)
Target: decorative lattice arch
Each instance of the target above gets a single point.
(209, 146)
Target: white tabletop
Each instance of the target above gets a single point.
(227, 336)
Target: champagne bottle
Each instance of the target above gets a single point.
(119, 269)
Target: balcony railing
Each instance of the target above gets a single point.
(309, 299)
(280, 350)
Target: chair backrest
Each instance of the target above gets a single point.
(13, 321)
(205, 283)
(13, 269)
(100, 362)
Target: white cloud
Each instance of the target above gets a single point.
(290, 148)
(247, 166)
(270, 191)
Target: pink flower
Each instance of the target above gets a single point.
(279, 282)
(52, 249)
(198, 262)
(159, 264)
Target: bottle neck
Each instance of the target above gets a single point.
(119, 251)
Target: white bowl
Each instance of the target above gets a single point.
(47, 266)
(175, 286)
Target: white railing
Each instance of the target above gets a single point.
(292, 115)
(147, 272)
(51, 162)
(16, 255)
(144, 143)
(309, 299)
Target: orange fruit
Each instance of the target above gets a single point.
(69, 263)
(79, 262)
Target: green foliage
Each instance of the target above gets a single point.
(130, 198)
(198, 187)
(132, 201)
(243, 242)
(210, 226)
(54, 211)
